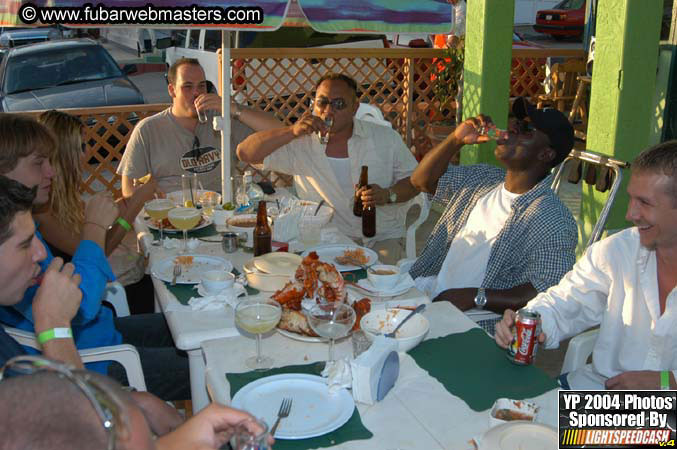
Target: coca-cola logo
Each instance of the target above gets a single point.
(525, 340)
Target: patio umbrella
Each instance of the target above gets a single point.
(353, 16)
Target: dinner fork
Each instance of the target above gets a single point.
(177, 273)
(285, 407)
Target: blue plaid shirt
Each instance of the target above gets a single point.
(536, 245)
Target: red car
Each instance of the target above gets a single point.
(565, 19)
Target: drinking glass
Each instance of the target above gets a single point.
(258, 316)
(250, 434)
(189, 188)
(204, 115)
(184, 219)
(310, 233)
(324, 138)
(158, 209)
(332, 320)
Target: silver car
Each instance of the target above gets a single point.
(64, 74)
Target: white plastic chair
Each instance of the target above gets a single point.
(116, 296)
(124, 354)
(371, 113)
(580, 348)
(410, 243)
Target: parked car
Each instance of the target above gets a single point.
(15, 37)
(77, 73)
(566, 19)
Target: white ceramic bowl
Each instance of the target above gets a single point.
(217, 280)
(236, 224)
(385, 320)
(263, 281)
(383, 277)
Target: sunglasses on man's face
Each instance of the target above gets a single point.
(337, 103)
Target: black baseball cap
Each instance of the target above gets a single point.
(549, 121)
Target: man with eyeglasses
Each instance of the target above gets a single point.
(174, 142)
(48, 405)
(504, 235)
(330, 171)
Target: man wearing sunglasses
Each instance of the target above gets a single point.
(330, 171)
(504, 235)
(174, 142)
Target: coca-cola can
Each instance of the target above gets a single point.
(522, 349)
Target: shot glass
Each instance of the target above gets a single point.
(324, 138)
(245, 438)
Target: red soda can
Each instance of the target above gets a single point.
(522, 349)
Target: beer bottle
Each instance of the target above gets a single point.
(357, 202)
(369, 220)
(262, 232)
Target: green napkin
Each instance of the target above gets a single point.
(351, 431)
(355, 275)
(184, 292)
(201, 233)
(471, 366)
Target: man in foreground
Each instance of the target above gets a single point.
(504, 235)
(626, 284)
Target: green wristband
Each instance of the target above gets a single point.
(123, 223)
(665, 380)
(54, 333)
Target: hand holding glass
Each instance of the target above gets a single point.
(158, 209)
(258, 316)
(332, 320)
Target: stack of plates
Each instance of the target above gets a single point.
(271, 271)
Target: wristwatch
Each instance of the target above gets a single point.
(480, 299)
(392, 196)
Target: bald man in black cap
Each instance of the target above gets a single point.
(504, 235)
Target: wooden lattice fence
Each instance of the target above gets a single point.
(397, 81)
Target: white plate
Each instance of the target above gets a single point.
(163, 269)
(206, 221)
(301, 337)
(521, 435)
(278, 263)
(314, 411)
(328, 253)
(389, 293)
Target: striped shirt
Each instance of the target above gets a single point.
(536, 245)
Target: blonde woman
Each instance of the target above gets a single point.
(62, 219)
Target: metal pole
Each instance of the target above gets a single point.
(226, 186)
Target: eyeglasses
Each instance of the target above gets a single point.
(337, 103)
(105, 402)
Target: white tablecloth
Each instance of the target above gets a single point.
(419, 413)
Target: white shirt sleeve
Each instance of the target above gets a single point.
(578, 302)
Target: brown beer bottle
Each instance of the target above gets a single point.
(369, 221)
(357, 202)
(262, 232)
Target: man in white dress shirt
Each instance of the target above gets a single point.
(626, 284)
(330, 171)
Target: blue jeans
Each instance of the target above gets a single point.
(164, 367)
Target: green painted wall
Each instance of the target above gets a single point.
(623, 89)
(488, 52)
(660, 97)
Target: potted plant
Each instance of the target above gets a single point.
(446, 82)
